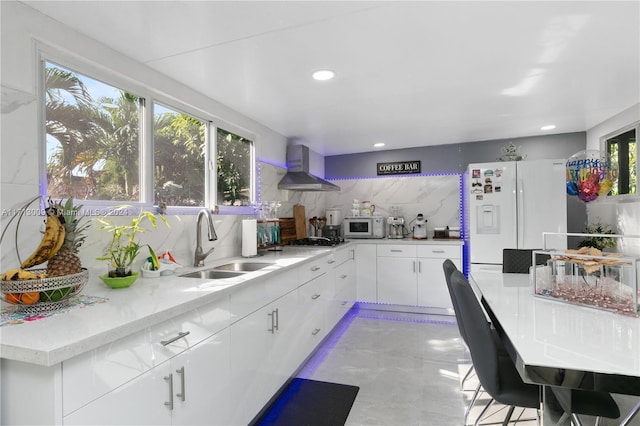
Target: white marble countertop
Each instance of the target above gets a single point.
(560, 335)
(147, 302)
(430, 241)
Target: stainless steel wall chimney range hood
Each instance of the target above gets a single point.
(298, 177)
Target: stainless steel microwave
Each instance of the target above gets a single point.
(364, 227)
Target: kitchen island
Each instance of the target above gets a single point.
(175, 349)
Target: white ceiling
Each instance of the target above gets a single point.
(408, 73)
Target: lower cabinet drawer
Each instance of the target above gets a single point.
(396, 250)
(439, 252)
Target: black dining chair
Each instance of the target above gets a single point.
(497, 373)
(518, 261)
(449, 267)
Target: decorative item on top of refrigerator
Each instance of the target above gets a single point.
(510, 204)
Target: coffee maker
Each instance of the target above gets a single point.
(332, 231)
(420, 227)
(395, 225)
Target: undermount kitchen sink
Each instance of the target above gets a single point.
(242, 266)
(212, 274)
(228, 270)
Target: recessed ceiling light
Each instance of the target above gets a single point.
(378, 144)
(548, 127)
(322, 75)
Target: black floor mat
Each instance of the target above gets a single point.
(311, 403)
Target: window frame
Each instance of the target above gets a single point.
(150, 96)
(603, 147)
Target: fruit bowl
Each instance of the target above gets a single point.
(43, 294)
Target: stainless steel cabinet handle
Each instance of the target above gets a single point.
(173, 339)
(180, 394)
(169, 379)
(315, 296)
(315, 268)
(343, 276)
(437, 251)
(274, 321)
(343, 303)
(419, 267)
(331, 261)
(396, 251)
(414, 266)
(277, 319)
(316, 331)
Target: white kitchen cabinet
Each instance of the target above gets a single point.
(261, 356)
(234, 353)
(139, 401)
(315, 299)
(344, 294)
(366, 275)
(432, 286)
(179, 391)
(397, 277)
(411, 274)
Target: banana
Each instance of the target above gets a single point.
(52, 240)
(20, 274)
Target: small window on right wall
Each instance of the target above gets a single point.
(622, 146)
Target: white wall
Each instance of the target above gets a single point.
(623, 213)
(23, 29)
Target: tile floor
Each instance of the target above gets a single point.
(408, 368)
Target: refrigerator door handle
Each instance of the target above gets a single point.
(520, 213)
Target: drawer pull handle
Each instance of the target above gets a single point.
(316, 331)
(169, 379)
(180, 394)
(315, 296)
(396, 251)
(343, 276)
(173, 339)
(331, 261)
(437, 251)
(343, 303)
(315, 268)
(274, 321)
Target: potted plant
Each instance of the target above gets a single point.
(598, 242)
(124, 248)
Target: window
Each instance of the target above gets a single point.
(179, 153)
(623, 149)
(97, 144)
(234, 164)
(92, 138)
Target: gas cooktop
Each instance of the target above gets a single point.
(318, 241)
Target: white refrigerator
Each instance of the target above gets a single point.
(510, 204)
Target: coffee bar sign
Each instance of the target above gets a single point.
(399, 168)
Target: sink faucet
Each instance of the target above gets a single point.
(200, 255)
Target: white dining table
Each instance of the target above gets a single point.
(562, 344)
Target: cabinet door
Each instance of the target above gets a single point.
(397, 280)
(262, 357)
(249, 342)
(200, 383)
(432, 285)
(344, 293)
(315, 300)
(140, 401)
(365, 257)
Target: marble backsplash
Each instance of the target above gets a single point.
(437, 197)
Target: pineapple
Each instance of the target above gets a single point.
(66, 260)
